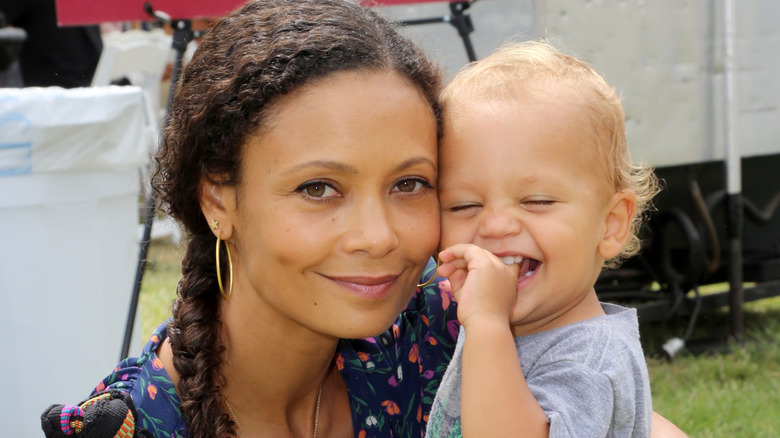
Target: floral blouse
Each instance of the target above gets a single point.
(391, 379)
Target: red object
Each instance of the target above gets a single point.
(80, 12)
(404, 2)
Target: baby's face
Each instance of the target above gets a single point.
(522, 182)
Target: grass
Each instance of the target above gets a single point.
(159, 285)
(722, 392)
(731, 393)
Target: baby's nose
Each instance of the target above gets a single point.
(499, 223)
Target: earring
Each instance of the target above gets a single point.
(214, 224)
(219, 270)
(430, 280)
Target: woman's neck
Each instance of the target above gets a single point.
(273, 370)
(274, 367)
(271, 353)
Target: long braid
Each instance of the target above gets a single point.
(197, 343)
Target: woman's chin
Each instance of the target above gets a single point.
(368, 325)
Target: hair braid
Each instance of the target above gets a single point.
(196, 342)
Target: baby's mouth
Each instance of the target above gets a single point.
(527, 265)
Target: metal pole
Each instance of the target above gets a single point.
(735, 212)
(459, 19)
(182, 35)
(462, 22)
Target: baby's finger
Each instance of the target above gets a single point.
(447, 268)
(472, 254)
(457, 279)
(457, 251)
(514, 267)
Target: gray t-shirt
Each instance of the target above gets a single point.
(590, 378)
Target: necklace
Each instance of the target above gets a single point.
(316, 413)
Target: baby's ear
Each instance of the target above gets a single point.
(619, 215)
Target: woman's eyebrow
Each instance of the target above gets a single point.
(326, 164)
(346, 168)
(413, 162)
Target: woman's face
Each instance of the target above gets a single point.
(336, 213)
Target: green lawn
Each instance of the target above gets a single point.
(159, 285)
(721, 394)
(734, 394)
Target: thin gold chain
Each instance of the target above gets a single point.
(233, 414)
(316, 413)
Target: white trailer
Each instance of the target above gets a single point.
(699, 83)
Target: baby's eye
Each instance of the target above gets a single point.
(462, 207)
(317, 189)
(534, 203)
(412, 185)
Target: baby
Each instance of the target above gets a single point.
(538, 193)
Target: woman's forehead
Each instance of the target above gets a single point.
(349, 113)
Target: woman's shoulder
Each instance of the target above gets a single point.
(125, 375)
(151, 389)
(137, 398)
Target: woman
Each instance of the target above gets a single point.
(302, 145)
(301, 157)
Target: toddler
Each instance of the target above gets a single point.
(538, 193)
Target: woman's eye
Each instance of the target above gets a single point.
(412, 185)
(317, 189)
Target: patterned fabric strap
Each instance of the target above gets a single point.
(109, 414)
(94, 399)
(71, 419)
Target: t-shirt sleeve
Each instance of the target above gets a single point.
(578, 401)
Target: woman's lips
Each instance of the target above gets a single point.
(374, 288)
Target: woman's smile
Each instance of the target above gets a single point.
(369, 287)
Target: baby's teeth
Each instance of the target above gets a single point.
(529, 273)
(508, 260)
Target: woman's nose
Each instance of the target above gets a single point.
(371, 229)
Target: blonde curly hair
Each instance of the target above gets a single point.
(537, 69)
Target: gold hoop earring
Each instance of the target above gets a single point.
(219, 270)
(433, 276)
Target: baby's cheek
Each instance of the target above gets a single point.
(452, 234)
(520, 311)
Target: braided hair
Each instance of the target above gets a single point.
(246, 63)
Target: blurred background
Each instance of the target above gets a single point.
(84, 99)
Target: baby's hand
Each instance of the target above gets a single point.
(484, 286)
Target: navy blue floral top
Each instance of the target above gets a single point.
(391, 379)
